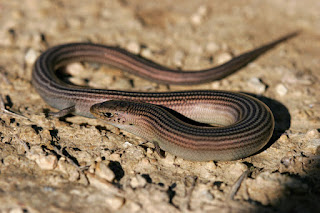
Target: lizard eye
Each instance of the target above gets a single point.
(108, 114)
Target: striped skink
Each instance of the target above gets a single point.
(242, 125)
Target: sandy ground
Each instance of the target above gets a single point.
(77, 164)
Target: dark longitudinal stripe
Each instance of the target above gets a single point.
(254, 121)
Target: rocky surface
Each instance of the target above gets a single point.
(77, 164)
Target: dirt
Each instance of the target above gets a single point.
(76, 164)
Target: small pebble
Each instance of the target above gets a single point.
(135, 152)
(197, 18)
(223, 57)
(314, 133)
(177, 58)
(212, 47)
(126, 144)
(286, 161)
(133, 47)
(281, 89)
(75, 68)
(313, 146)
(115, 202)
(210, 166)
(138, 181)
(16, 210)
(146, 53)
(115, 157)
(133, 206)
(101, 184)
(48, 162)
(216, 85)
(149, 152)
(77, 81)
(169, 160)
(103, 171)
(237, 169)
(257, 85)
(284, 138)
(31, 56)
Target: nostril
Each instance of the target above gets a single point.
(108, 114)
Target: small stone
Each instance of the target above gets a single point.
(210, 166)
(134, 152)
(48, 162)
(168, 160)
(98, 159)
(92, 168)
(314, 133)
(197, 18)
(257, 85)
(75, 68)
(149, 152)
(177, 58)
(286, 161)
(146, 52)
(101, 184)
(66, 167)
(236, 170)
(281, 89)
(133, 47)
(31, 56)
(138, 181)
(284, 138)
(223, 57)
(216, 85)
(115, 157)
(115, 202)
(177, 160)
(212, 47)
(313, 146)
(77, 81)
(16, 210)
(126, 144)
(133, 206)
(103, 171)
(144, 165)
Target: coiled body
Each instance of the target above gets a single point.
(243, 124)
